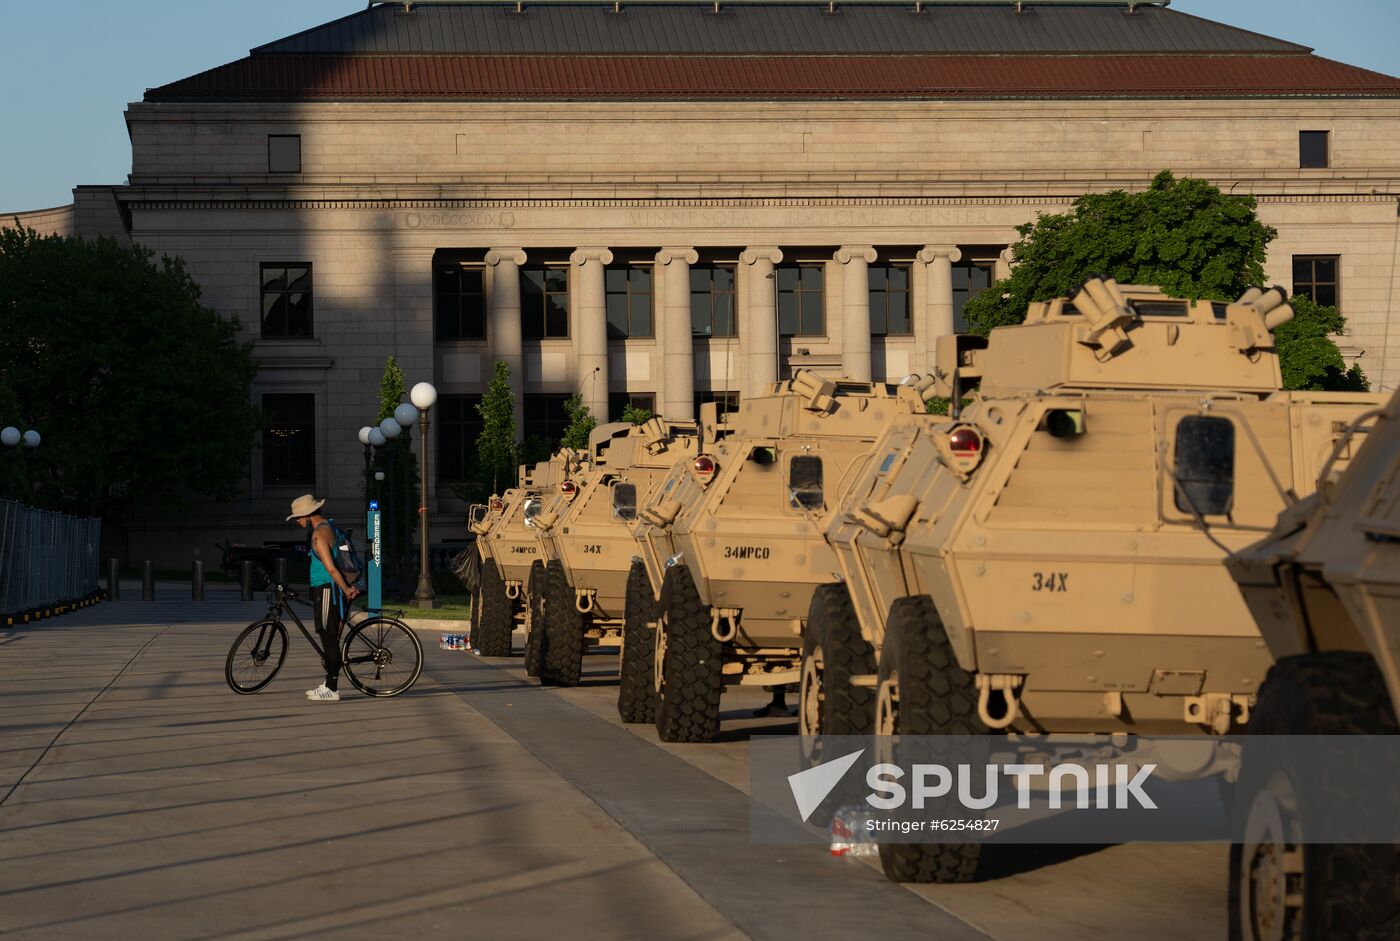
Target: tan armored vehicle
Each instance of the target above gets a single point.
(508, 543)
(1324, 588)
(586, 543)
(736, 546)
(1041, 562)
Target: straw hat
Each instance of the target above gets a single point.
(305, 505)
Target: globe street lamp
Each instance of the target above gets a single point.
(423, 396)
(10, 437)
(405, 414)
(364, 439)
(31, 438)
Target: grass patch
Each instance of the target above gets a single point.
(448, 608)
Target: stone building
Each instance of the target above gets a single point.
(671, 203)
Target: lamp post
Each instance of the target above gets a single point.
(423, 396)
(364, 439)
(405, 414)
(391, 430)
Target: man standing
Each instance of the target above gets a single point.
(330, 592)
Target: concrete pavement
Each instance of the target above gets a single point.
(140, 797)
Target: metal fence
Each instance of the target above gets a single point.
(45, 557)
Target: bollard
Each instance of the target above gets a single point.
(245, 579)
(114, 580)
(197, 581)
(148, 582)
(281, 568)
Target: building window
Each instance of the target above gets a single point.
(728, 401)
(889, 301)
(1313, 149)
(544, 303)
(619, 401)
(801, 307)
(458, 426)
(970, 278)
(712, 301)
(1316, 276)
(284, 153)
(460, 302)
(629, 301)
(545, 419)
(289, 443)
(286, 300)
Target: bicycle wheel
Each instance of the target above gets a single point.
(382, 656)
(256, 656)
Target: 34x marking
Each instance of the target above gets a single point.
(1049, 581)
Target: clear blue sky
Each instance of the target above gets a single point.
(69, 67)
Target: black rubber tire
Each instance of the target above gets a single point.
(561, 663)
(832, 626)
(1351, 890)
(492, 630)
(270, 640)
(687, 709)
(382, 657)
(636, 694)
(535, 628)
(936, 697)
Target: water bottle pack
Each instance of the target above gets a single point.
(454, 642)
(849, 835)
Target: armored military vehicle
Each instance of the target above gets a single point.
(586, 541)
(1324, 588)
(1049, 558)
(735, 545)
(507, 541)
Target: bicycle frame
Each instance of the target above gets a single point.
(281, 602)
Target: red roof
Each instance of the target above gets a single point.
(360, 77)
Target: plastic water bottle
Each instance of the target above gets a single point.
(444, 642)
(849, 836)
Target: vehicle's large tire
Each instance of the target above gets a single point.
(534, 619)
(936, 697)
(1348, 891)
(636, 695)
(492, 629)
(687, 709)
(561, 662)
(833, 651)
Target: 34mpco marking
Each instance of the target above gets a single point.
(746, 552)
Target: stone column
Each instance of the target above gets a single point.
(938, 301)
(758, 333)
(588, 309)
(855, 310)
(1002, 269)
(504, 328)
(677, 399)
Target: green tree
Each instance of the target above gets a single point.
(495, 445)
(1185, 236)
(636, 415)
(581, 422)
(1308, 356)
(391, 388)
(141, 393)
(399, 490)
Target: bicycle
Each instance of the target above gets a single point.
(382, 655)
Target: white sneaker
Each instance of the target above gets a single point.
(322, 693)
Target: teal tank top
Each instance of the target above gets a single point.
(319, 575)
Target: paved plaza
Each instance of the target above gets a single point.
(140, 797)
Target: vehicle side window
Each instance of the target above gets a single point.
(532, 509)
(624, 501)
(1205, 465)
(805, 482)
